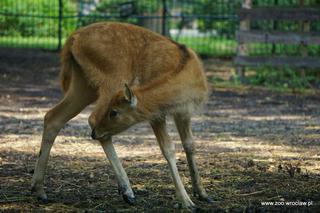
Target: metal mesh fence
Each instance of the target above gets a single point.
(208, 26)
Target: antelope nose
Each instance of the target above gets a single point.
(93, 134)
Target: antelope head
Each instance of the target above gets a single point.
(121, 114)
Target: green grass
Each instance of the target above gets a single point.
(210, 46)
(219, 46)
(236, 85)
(206, 46)
(29, 42)
(283, 79)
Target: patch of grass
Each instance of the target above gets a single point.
(279, 80)
(283, 79)
(237, 85)
(220, 46)
(205, 46)
(210, 46)
(50, 43)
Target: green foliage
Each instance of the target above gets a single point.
(221, 9)
(111, 7)
(284, 78)
(33, 18)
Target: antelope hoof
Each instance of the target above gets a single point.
(131, 200)
(203, 197)
(193, 209)
(40, 194)
(189, 206)
(128, 196)
(206, 199)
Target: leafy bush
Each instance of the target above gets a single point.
(284, 78)
(33, 17)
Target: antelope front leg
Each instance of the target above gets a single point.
(122, 178)
(168, 150)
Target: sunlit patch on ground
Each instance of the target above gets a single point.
(252, 146)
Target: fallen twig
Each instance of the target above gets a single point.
(252, 193)
(14, 199)
(72, 184)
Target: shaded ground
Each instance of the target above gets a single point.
(253, 146)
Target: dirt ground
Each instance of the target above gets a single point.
(253, 146)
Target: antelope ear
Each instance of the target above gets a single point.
(129, 96)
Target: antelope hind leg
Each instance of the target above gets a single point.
(183, 123)
(74, 101)
(168, 150)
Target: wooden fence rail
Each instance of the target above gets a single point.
(278, 37)
(278, 13)
(245, 35)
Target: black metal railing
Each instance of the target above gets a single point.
(208, 26)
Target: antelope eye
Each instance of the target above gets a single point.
(113, 113)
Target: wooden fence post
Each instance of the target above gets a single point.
(164, 18)
(305, 27)
(242, 49)
(274, 27)
(60, 25)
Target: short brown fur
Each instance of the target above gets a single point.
(162, 77)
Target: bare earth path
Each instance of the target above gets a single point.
(253, 146)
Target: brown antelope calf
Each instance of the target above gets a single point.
(133, 75)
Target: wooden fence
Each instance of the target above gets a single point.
(245, 35)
